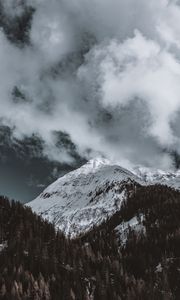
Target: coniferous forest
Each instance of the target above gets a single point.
(37, 262)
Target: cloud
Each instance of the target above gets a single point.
(106, 72)
(121, 73)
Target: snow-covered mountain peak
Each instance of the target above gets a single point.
(95, 163)
(94, 171)
(91, 166)
(84, 197)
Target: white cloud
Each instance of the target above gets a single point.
(51, 33)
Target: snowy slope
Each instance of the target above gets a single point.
(84, 197)
(122, 229)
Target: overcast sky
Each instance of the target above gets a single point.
(104, 73)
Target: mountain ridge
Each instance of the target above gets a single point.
(87, 196)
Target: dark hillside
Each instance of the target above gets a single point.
(38, 263)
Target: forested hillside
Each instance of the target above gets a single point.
(36, 262)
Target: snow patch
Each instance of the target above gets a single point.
(136, 224)
(3, 245)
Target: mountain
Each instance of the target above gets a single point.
(85, 197)
(153, 176)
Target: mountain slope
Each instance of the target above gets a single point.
(85, 197)
(37, 262)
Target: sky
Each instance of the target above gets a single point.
(81, 79)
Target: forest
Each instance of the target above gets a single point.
(38, 262)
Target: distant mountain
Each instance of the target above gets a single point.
(87, 196)
(153, 176)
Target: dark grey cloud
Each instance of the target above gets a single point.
(104, 73)
(25, 170)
